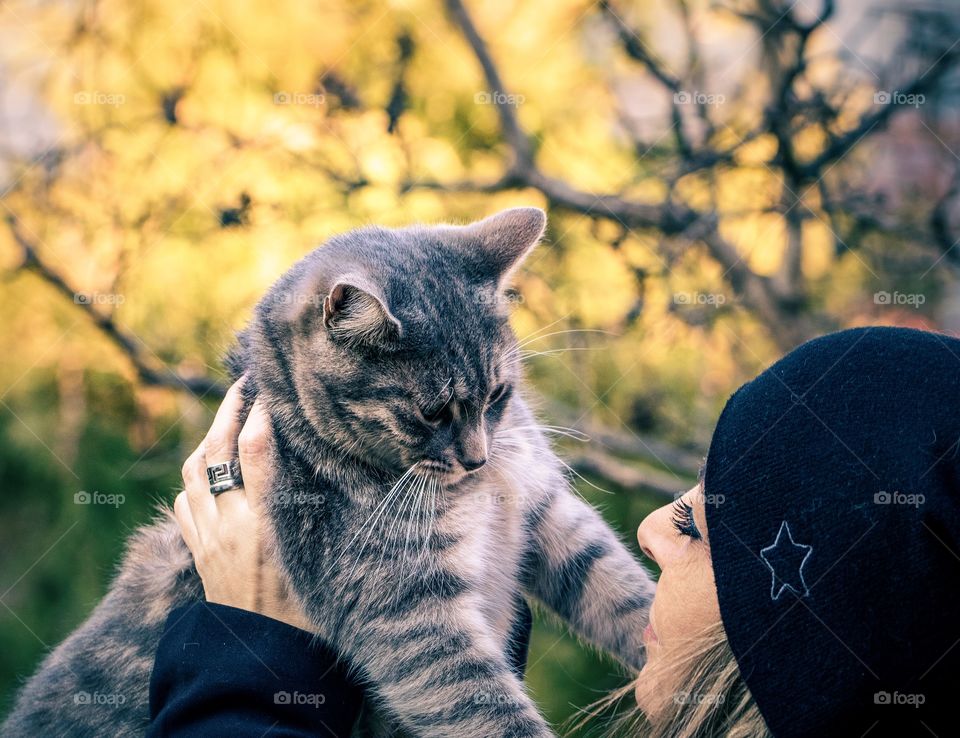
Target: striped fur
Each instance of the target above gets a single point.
(406, 562)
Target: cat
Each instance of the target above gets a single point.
(415, 498)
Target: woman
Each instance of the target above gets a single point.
(810, 585)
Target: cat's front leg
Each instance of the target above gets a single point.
(434, 663)
(577, 566)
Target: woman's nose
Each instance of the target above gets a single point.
(645, 536)
(656, 536)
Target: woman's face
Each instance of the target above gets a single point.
(675, 537)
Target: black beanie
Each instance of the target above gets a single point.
(833, 491)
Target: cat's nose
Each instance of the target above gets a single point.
(471, 446)
(473, 464)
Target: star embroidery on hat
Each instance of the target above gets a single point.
(785, 559)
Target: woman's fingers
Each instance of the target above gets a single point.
(256, 444)
(188, 529)
(220, 445)
(202, 507)
(227, 540)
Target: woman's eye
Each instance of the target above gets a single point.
(498, 393)
(683, 520)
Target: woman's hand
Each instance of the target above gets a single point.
(225, 533)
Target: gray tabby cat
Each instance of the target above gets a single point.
(416, 497)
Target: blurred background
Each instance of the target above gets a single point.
(723, 179)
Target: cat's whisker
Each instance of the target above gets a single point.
(516, 440)
(493, 461)
(583, 478)
(560, 430)
(559, 350)
(371, 526)
(524, 354)
(515, 444)
(518, 360)
(428, 506)
(520, 450)
(399, 519)
(416, 497)
(424, 512)
(548, 326)
(537, 426)
(434, 496)
(368, 526)
(442, 390)
(424, 505)
(509, 474)
(527, 342)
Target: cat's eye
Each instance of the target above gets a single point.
(436, 415)
(499, 392)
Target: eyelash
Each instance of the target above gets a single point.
(683, 520)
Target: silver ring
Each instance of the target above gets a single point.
(224, 476)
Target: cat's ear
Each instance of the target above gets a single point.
(355, 313)
(506, 238)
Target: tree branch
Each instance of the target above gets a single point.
(840, 146)
(513, 133)
(148, 371)
(669, 218)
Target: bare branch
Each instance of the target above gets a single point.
(147, 370)
(669, 218)
(513, 133)
(637, 50)
(841, 145)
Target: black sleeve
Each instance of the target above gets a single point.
(224, 671)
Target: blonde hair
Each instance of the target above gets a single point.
(711, 699)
